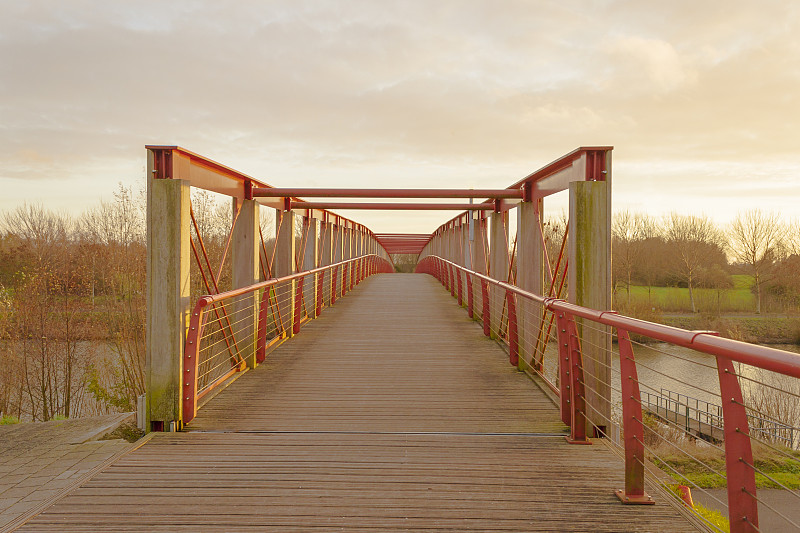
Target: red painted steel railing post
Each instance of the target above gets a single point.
(470, 297)
(573, 398)
(298, 306)
(333, 285)
(487, 329)
(352, 274)
(453, 274)
(191, 361)
(742, 503)
(263, 315)
(343, 289)
(632, 425)
(513, 337)
(460, 292)
(320, 284)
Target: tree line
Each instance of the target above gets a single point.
(693, 252)
(73, 303)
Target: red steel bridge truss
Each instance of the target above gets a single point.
(540, 286)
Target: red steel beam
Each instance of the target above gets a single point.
(273, 192)
(392, 206)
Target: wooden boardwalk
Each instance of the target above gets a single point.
(391, 411)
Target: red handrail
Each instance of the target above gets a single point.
(742, 502)
(370, 264)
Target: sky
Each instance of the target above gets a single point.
(700, 99)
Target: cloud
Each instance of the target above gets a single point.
(397, 92)
(658, 60)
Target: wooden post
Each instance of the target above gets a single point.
(498, 266)
(468, 237)
(168, 259)
(529, 276)
(479, 258)
(590, 286)
(284, 266)
(310, 261)
(338, 250)
(245, 271)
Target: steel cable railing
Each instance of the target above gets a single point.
(232, 330)
(715, 378)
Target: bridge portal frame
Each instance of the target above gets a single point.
(172, 173)
(586, 174)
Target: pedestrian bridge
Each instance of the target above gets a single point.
(392, 411)
(296, 382)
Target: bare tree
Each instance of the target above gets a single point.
(696, 244)
(791, 238)
(630, 233)
(114, 236)
(47, 311)
(755, 239)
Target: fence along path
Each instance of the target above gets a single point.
(391, 411)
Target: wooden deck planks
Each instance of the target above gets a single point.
(390, 412)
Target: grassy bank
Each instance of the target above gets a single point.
(762, 329)
(738, 299)
(731, 312)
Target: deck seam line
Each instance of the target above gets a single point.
(400, 433)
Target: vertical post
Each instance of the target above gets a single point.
(632, 425)
(529, 276)
(742, 503)
(168, 242)
(285, 266)
(338, 235)
(590, 286)
(513, 332)
(345, 256)
(479, 249)
(245, 271)
(573, 392)
(469, 238)
(486, 313)
(326, 257)
(498, 265)
(310, 262)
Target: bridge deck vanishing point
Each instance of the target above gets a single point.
(391, 411)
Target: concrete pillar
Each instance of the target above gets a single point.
(590, 286)
(168, 304)
(498, 264)
(529, 277)
(284, 266)
(245, 271)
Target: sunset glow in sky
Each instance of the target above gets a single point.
(700, 99)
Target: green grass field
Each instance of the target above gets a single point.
(738, 299)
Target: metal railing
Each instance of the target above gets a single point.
(506, 309)
(231, 331)
(705, 419)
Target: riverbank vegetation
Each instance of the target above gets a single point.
(685, 271)
(697, 463)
